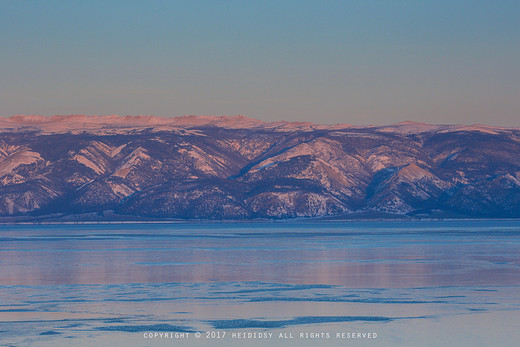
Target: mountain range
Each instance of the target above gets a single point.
(82, 168)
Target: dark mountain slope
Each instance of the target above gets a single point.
(238, 168)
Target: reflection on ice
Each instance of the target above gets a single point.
(109, 284)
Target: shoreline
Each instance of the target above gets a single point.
(268, 221)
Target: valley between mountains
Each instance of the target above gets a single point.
(77, 167)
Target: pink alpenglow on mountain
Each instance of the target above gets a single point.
(81, 167)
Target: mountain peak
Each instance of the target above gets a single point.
(78, 122)
(92, 123)
(158, 167)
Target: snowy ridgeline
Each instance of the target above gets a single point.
(103, 167)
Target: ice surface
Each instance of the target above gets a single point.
(413, 283)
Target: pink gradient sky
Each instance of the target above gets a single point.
(369, 62)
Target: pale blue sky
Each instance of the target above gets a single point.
(359, 62)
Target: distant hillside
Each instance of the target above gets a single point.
(111, 167)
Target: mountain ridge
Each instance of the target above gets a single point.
(217, 167)
(238, 121)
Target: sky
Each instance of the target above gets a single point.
(357, 62)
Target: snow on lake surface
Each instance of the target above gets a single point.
(261, 284)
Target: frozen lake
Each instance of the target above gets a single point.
(261, 284)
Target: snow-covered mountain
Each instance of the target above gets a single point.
(209, 167)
